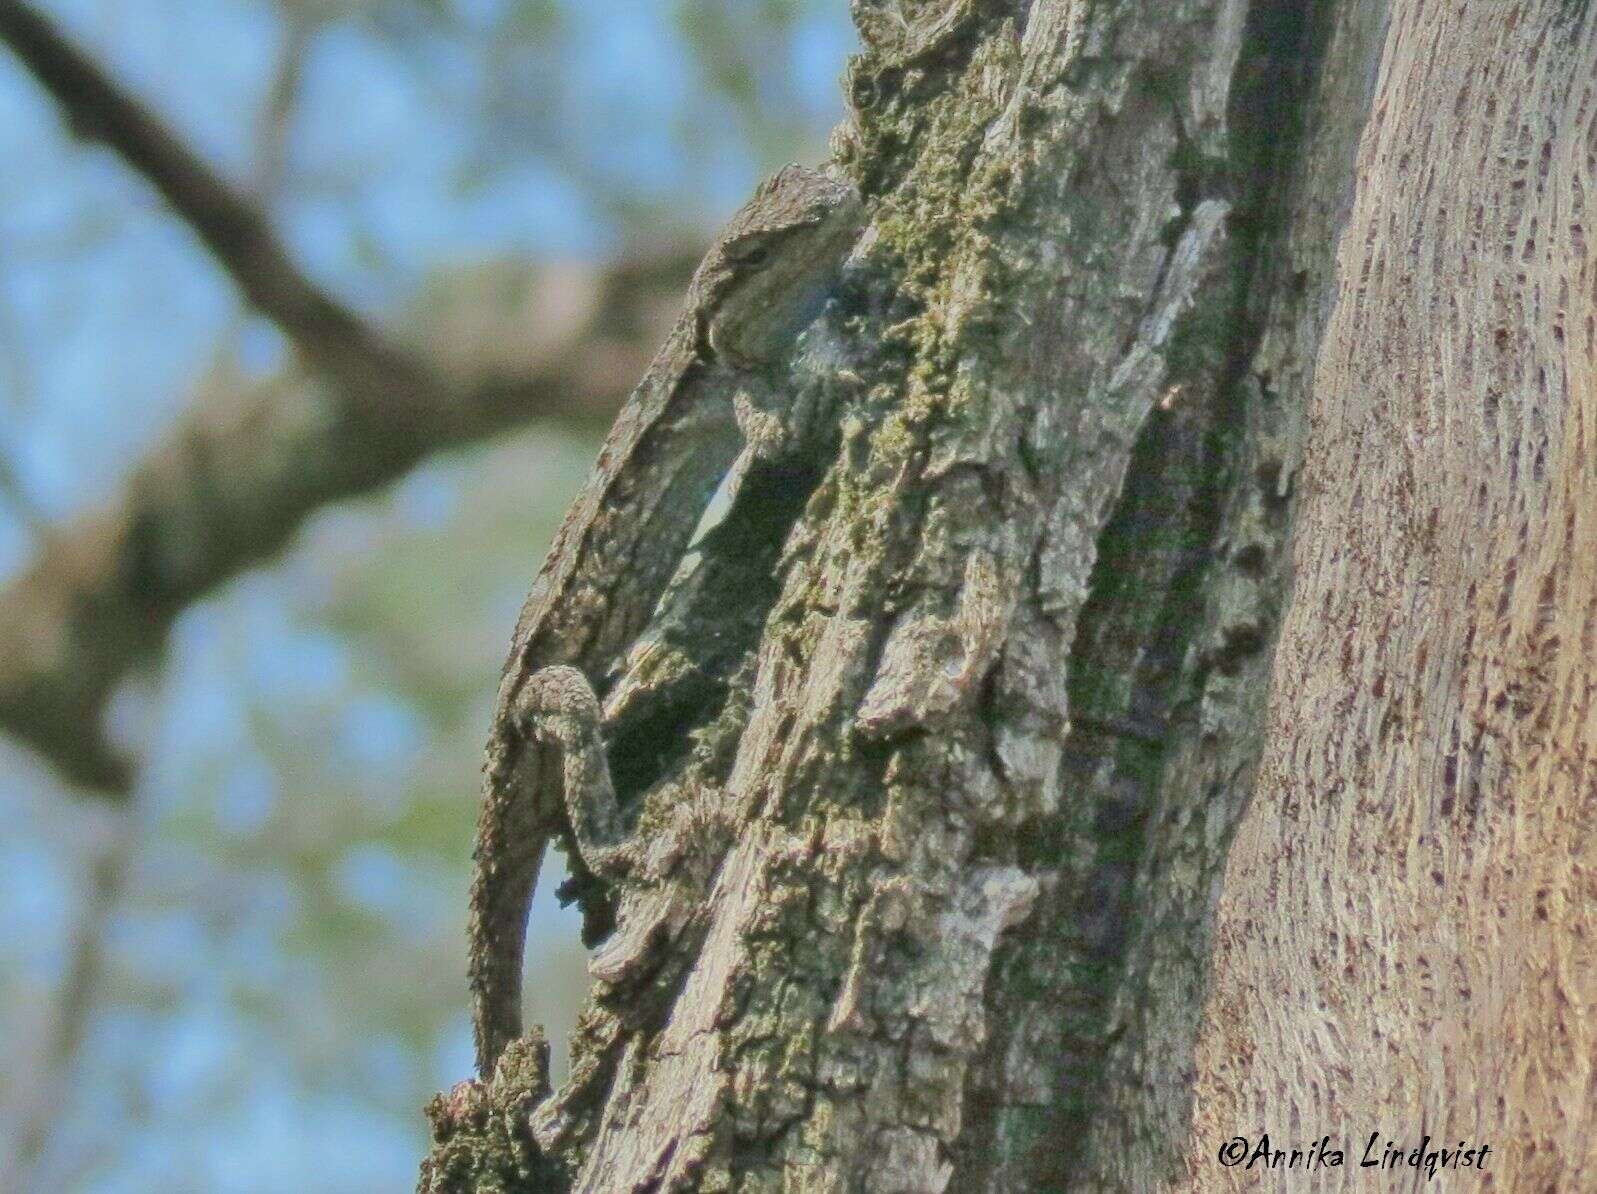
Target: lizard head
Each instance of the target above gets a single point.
(769, 273)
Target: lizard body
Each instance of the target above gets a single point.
(759, 285)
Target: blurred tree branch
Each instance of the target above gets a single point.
(64, 1034)
(233, 481)
(376, 379)
(40, 1098)
(270, 158)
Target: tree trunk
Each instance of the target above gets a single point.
(965, 787)
(1405, 937)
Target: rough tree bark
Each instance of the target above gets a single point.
(1405, 939)
(967, 801)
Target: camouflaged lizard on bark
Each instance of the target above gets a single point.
(682, 431)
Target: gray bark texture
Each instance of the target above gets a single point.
(1019, 860)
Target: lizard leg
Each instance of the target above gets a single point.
(563, 710)
(764, 434)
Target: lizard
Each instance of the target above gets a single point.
(763, 280)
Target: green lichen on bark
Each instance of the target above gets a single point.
(1049, 260)
(1289, 173)
(481, 1132)
(914, 144)
(1141, 662)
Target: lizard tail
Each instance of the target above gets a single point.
(507, 858)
